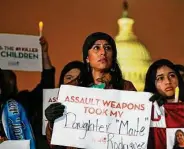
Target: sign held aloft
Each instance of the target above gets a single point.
(20, 52)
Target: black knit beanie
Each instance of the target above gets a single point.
(91, 39)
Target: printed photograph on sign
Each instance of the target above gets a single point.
(175, 138)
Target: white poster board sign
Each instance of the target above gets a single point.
(20, 52)
(49, 97)
(102, 119)
(15, 144)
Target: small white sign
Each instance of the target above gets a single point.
(158, 118)
(102, 119)
(49, 96)
(15, 144)
(20, 52)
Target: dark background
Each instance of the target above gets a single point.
(159, 24)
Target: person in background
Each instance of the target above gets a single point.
(2, 133)
(72, 74)
(14, 124)
(181, 70)
(100, 62)
(162, 78)
(32, 100)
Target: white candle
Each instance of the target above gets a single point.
(176, 94)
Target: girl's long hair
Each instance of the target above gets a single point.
(151, 77)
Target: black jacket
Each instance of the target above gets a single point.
(32, 101)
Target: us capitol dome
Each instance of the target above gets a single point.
(133, 57)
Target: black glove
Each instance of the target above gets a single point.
(54, 111)
(160, 99)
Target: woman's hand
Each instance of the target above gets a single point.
(54, 111)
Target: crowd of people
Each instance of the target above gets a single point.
(99, 69)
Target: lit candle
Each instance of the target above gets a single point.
(176, 94)
(40, 28)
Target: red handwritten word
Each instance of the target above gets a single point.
(82, 100)
(129, 106)
(100, 140)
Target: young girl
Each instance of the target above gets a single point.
(162, 78)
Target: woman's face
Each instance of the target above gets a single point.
(180, 137)
(71, 76)
(100, 55)
(166, 81)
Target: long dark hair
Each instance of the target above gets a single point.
(117, 80)
(151, 77)
(179, 67)
(176, 144)
(71, 65)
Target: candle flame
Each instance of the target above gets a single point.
(40, 25)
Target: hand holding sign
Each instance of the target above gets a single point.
(44, 44)
(54, 111)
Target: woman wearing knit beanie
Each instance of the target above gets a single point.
(100, 59)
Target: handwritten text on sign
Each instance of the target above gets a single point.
(105, 119)
(20, 52)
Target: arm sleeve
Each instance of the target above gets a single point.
(35, 97)
(47, 81)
